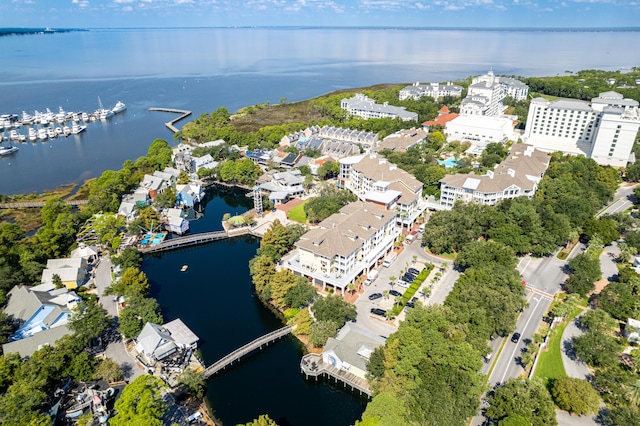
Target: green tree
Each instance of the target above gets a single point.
(130, 257)
(166, 199)
(108, 370)
(526, 398)
(133, 282)
(484, 253)
(263, 420)
(385, 409)
(140, 403)
(21, 405)
(193, 381)
(596, 349)
(89, 320)
(281, 283)
(575, 396)
(333, 308)
(302, 322)
(320, 331)
(262, 269)
(606, 229)
(137, 312)
(598, 321)
(57, 281)
(301, 294)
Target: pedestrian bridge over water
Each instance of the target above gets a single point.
(192, 240)
(245, 350)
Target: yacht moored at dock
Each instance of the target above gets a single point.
(119, 107)
(33, 135)
(7, 150)
(77, 128)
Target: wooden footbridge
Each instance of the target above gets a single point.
(38, 204)
(245, 350)
(192, 240)
(171, 124)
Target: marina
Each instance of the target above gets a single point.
(43, 126)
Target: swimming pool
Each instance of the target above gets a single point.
(449, 162)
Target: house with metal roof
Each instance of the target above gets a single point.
(351, 349)
(72, 271)
(156, 342)
(41, 318)
(517, 176)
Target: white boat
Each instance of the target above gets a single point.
(75, 117)
(102, 112)
(84, 116)
(27, 119)
(51, 133)
(7, 150)
(15, 136)
(66, 130)
(33, 135)
(42, 134)
(61, 115)
(120, 106)
(58, 131)
(77, 128)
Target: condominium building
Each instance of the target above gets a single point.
(373, 179)
(479, 129)
(435, 90)
(486, 93)
(367, 108)
(517, 176)
(343, 246)
(604, 130)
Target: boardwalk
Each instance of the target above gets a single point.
(245, 350)
(38, 204)
(312, 365)
(170, 124)
(192, 240)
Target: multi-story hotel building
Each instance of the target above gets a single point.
(517, 176)
(344, 245)
(435, 90)
(486, 93)
(373, 179)
(604, 130)
(367, 108)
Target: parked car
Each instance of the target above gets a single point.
(374, 296)
(378, 311)
(402, 283)
(395, 293)
(413, 271)
(410, 305)
(408, 278)
(515, 338)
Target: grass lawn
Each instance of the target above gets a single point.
(550, 364)
(297, 213)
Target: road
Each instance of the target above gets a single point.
(622, 200)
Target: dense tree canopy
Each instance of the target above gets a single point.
(526, 398)
(140, 403)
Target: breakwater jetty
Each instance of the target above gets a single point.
(171, 124)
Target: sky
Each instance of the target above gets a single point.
(352, 13)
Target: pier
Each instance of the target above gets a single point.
(195, 239)
(245, 350)
(171, 124)
(38, 204)
(312, 365)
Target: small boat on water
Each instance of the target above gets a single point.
(66, 130)
(51, 134)
(102, 112)
(184, 268)
(15, 136)
(33, 135)
(42, 134)
(119, 107)
(77, 128)
(84, 116)
(8, 150)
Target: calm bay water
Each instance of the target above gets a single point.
(203, 69)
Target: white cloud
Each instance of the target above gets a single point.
(123, 1)
(81, 3)
(127, 9)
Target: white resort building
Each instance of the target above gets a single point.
(486, 93)
(367, 108)
(517, 176)
(373, 179)
(343, 246)
(604, 130)
(435, 90)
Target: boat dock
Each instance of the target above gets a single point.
(192, 240)
(171, 124)
(312, 365)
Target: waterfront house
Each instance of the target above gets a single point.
(156, 342)
(127, 210)
(41, 318)
(204, 162)
(283, 185)
(169, 178)
(351, 349)
(152, 185)
(72, 271)
(189, 194)
(90, 253)
(175, 221)
(343, 246)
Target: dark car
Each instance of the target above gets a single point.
(515, 338)
(378, 311)
(413, 271)
(408, 278)
(410, 305)
(375, 296)
(395, 293)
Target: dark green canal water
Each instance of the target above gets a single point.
(215, 299)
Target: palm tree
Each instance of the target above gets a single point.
(633, 393)
(415, 258)
(385, 294)
(351, 287)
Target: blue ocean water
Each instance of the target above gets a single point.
(202, 69)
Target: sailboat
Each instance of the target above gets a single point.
(102, 112)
